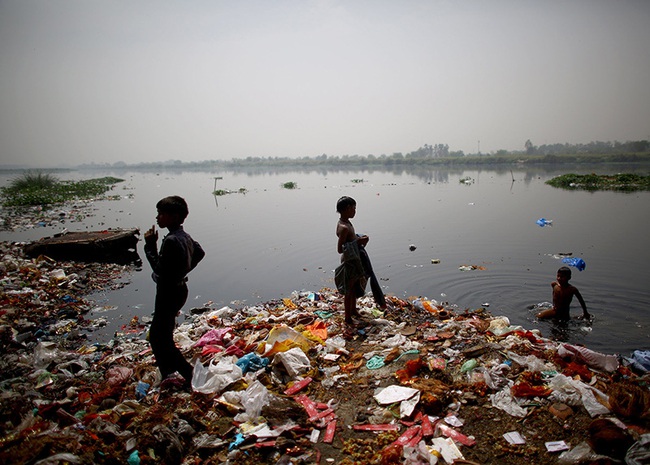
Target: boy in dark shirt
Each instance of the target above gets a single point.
(178, 255)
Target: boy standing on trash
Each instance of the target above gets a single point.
(351, 276)
(179, 254)
(563, 293)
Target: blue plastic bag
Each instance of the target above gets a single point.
(141, 390)
(544, 222)
(252, 362)
(578, 263)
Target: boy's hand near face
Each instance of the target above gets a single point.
(151, 235)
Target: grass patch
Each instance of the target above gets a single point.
(35, 188)
(290, 185)
(625, 182)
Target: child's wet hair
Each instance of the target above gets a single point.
(565, 270)
(344, 202)
(175, 205)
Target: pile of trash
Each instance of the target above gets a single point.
(287, 382)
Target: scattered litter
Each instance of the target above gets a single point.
(421, 382)
(471, 267)
(514, 437)
(556, 446)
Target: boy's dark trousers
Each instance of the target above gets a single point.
(377, 293)
(169, 300)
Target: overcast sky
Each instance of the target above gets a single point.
(136, 81)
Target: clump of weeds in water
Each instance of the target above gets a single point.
(290, 185)
(37, 188)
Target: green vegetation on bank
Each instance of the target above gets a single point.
(627, 182)
(37, 188)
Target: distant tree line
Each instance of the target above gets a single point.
(638, 146)
(438, 154)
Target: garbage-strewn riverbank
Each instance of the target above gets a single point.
(286, 382)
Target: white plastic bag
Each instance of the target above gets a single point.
(294, 360)
(253, 399)
(506, 402)
(565, 389)
(214, 378)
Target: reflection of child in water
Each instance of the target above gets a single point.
(563, 293)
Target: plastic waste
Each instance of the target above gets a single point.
(447, 449)
(578, 263)
(218, 336)
(252, 362)
(375, 362)
(294, 361)
(45, 353)
(394, 393)
(215, 377)
(640, 360)
(531, 362)
(544, 222)
(117, 375)
(336, 344)
(594, 359)
(253, 399)
(639, 453)
(64, 457)
(282, 338)
(134, 458)
(469, 365)
(506, 402)
(573, 392)
(141, 390)
(501, 325)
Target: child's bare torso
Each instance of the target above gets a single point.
(562, 297)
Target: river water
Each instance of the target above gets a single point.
(270, 241)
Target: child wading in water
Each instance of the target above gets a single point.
(355, 269)
(563, 293)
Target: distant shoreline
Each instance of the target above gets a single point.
(364, 162)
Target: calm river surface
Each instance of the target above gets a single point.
(271, 241)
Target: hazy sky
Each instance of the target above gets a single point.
(138, 81)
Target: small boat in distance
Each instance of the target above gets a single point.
(109, 245)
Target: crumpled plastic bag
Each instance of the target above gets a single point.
(282, 338)
(501, 325)
(603, 362)
(505, 401)
(576, 262)
(252, 362)
(640, 360)
(253, 400)
(214, 336)
(46, 352)
(117, 375)
(574, 392)
(579, 454)
(294, 361)
(531, 362)
(215, 377)
(639, 453)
